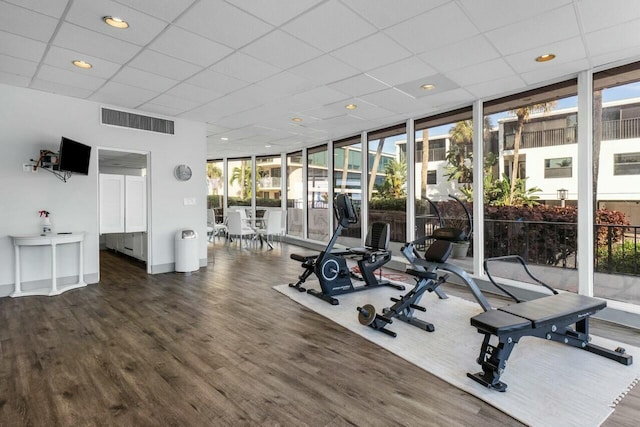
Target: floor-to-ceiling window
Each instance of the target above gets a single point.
(616, 170)
(347, 179)
(387, 181)
(215, 187)
(239, 180)
(295, 195)
(442, 161)
(531, 183)
(318, 193)
(268, 184)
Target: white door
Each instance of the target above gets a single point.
(136, 204)
(111, 203)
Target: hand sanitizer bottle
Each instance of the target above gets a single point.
(46, 222)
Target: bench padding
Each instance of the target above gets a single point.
(498, 322)
(552, 307)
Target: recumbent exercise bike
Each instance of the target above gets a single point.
(331, 266)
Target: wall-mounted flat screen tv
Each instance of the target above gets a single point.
(74, 157)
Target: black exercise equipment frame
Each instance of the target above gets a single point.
(331, 267)
(550, 317)
(427, 280)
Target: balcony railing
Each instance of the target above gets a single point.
(270, 182)
(621, 129)
(544, 138)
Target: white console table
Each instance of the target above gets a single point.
(48, 240)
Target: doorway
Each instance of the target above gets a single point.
(123, 216)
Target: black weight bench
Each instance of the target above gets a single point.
(550, 317)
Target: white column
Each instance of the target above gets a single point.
(478, 188)
(411, 174)
(330, 187)
(585, 183)
(305, 194)
(364, 183)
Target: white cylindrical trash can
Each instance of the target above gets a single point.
(186, 243)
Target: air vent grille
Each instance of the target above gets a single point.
(136, 121)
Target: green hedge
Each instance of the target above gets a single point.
(625, 258)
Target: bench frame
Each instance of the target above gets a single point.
(509, 324)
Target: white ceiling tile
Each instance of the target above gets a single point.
(122, 95)
(484, 72)
(216, 82)
(167, 10)
(490, 14)
(224, 23)
(566, 51)
(22, 67)
(84, 41)
(402, 71)
(384, 13)
(24, 22)
(14, 80)
(143, 79)
(372, 52)
(319, 113)
(618, 57)
(559, 71)
(440, 82)
(359, 85)
(540, 30)
(329, 26)
(447, 100)
(175, 102)
(245, 67)
(497, 88)
(275, 12)
(367, 111)
(616, 38)
(286, 83)
(462, 54)
(158, 63)
(63, 58)
(315, 98)
(189, 47)
(442, 26)
(194, 93)
(393, 100)
(324, 69)
(70, 78)
(21, 47)
(164, 110)
(595, 16)
(53, 8)
(60, 89)
(281, 50)
(88, 14)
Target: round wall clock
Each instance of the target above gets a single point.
(182, 172)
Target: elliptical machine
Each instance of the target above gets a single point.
(331, 266)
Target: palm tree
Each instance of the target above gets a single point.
(214, 173)
(424, 168)
(522, 115)
(374, 167)
(395, 180)
(242, 175)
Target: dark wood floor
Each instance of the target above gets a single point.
(219, 347)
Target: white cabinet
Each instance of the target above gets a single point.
(123, 203)
(132, 244)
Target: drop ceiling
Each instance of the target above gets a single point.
(247, 67)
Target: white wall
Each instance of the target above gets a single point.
(32, 120)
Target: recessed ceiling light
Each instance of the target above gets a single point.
(351, 106)
(296, 119)
(224, 138)
(116, 22)
(267, 146)
(427, 87)
(82, 64)
(546, 57)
